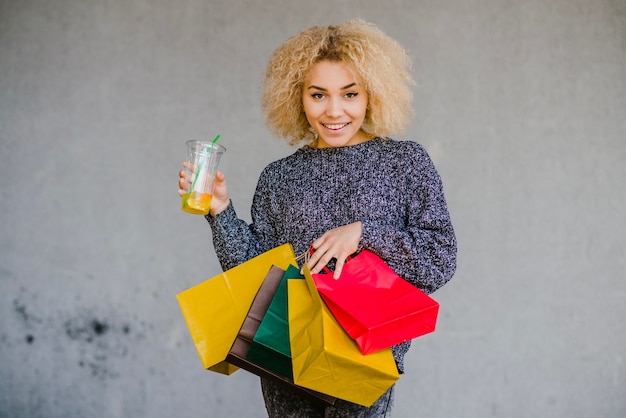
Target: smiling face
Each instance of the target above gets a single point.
(335, 104)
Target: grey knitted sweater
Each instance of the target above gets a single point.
(391, 186)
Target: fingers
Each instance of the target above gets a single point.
(184, 182)
(337, 244)
(219, 176)
(338, 268)
(190, 167)
(323, 255)
(319, 259)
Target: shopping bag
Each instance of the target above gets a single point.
(325, 358)
(374, 305)
(238, 354)
(270, 345)
(215, 309)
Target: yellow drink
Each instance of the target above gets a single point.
(197, 203)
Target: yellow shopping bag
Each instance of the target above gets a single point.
(325, 358)
(215, 309)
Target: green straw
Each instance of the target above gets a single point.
(202, 163)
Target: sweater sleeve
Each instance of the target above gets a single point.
(423, 250)
(236, 241)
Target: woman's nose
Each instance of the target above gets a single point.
(334, 108)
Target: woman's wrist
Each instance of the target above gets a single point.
(214, 211)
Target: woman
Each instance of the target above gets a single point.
(343, 90)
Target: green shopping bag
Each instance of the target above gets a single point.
(270, 345)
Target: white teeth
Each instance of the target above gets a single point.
(336, 126)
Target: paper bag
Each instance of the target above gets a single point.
(270, 345)
(325, 358)
(215, 309)
(374, 305)
(239, 351)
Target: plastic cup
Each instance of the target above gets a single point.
(203, 158)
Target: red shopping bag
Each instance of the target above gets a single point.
(375, 306)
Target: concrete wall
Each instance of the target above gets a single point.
(521, 104)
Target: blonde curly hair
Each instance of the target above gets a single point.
(380, 61)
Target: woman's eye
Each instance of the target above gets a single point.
(317, 96)
(351, 95)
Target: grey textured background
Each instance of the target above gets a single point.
(521, 104)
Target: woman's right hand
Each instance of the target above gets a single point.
(220, 199)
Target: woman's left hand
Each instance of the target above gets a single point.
(337, 243)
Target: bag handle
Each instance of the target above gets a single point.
(306, 256)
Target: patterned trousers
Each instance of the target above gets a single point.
(281, 402)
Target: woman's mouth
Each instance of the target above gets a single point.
(335, 126)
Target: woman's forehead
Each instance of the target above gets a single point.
(335, 73)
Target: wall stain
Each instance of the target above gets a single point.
(29, 320)
(21, 309)
(98, 341)
(85, 330)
